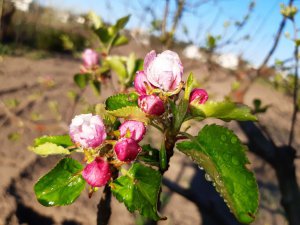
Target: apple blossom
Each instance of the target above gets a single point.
(140, 83)
(87, 130)
(90, 58)
(137, 129)
(163, 71)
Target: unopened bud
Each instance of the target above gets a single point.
(127, 149)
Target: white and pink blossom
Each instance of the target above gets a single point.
(136, 129)
(90, 58)
(141, 82)
(87, 130)
(164, 70)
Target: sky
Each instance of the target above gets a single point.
(208, 18)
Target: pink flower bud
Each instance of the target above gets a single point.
(151, 104)
(164, 70)
(90, 58)
(198, 95)
(97, 173)
(140, 82)
(137, 129)
(127, 149)
(87, 130)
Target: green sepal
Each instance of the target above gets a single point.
(219, 151)
(139, 190)
(62, 185)
(180, 110)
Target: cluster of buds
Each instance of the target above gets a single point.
(90, 60)
(162, 74)
(88, 132)
(288, 11)
(161, 78)
(127, 148)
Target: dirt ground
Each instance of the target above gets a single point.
(46, 110)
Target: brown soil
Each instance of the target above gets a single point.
(20, 168)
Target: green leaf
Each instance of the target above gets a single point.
(181, 110)
(96, 85)
(67, 42)
(211, 42)
(63, 140)
(49, 149)
(95, 20)
(121, 100)
(139, 64)
(149, 155)
(131, 64)
(139, 190)
(225, 110)
(103, 34)
(81, 80)
(219, 151)
(120, 40)
(118, 66)
(130, 113)
(120, 24)
(104, 69)
(62, 185)
(113, 31)
(189, 86)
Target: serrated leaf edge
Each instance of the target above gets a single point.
(217, 187)
(130, 209)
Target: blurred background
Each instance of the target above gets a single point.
(239, 49)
